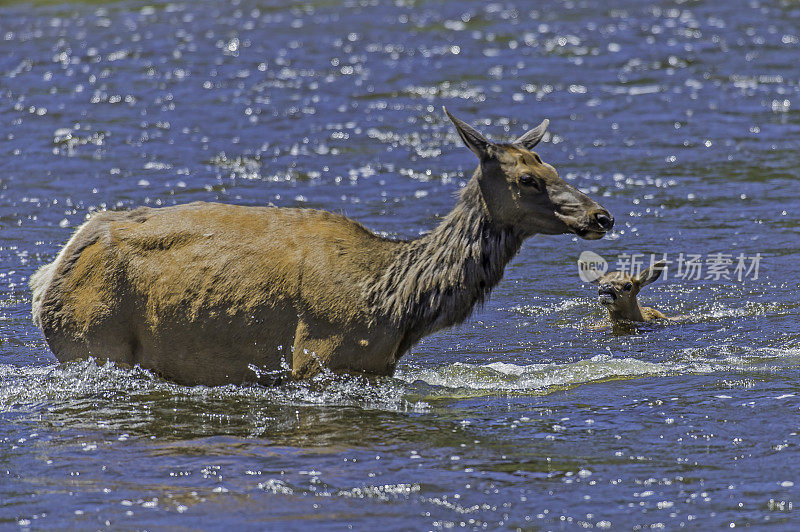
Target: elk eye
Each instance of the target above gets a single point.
(529, 180)
(627, 287)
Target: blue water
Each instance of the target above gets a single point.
(682, 118)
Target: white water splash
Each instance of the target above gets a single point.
(505, 377)
(25, 388)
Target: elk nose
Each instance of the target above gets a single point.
(604, 220)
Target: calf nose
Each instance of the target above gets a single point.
(604, 220)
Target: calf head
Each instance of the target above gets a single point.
(617, 290)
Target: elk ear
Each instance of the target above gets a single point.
(652, 273)
(530, 139)
(472, 139)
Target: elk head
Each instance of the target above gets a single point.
(525, 193)
(617, 290)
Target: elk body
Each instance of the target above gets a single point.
(618, 290)
(206, 293)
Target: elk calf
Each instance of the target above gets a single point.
(617, 292)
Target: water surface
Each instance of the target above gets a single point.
(680, 117)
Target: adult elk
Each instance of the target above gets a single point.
(206, 293)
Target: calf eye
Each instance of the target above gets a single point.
(627, 287)
(529, 180)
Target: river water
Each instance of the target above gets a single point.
(682, 118)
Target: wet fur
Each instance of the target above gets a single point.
(625, 306)
(129, 285)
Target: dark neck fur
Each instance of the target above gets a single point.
(436, 280)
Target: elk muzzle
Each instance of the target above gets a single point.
(606, 295)
(595, 224)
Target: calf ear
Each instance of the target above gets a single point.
(530, 139)
(472, 139)
(652, 273)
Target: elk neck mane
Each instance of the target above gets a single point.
(436, 280)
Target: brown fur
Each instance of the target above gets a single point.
(210, 293)
(618, 291)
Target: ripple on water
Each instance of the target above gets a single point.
(27, 388)
(682, 118)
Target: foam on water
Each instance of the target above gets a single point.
(29, 388)
(502, 377)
